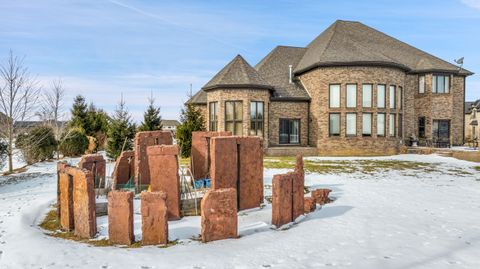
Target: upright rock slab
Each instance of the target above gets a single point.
(223, 166)
(163, 170)
(60, 166)
(282, 199)
(219, 215)
(154, 218)
(124, 168)
(200, 153)
(250, 172)
(120, 217)
(85, 221)
(142, 141)
(298, 183)
(65, 183)
(95, 163)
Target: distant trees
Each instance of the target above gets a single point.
(191, 120)
(18, 96)
(152, 120)
(121, 131)
(51, 109)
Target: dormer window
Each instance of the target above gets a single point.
(440, 84)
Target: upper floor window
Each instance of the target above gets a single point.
(400, 97)
(334, 95)
(440, 84)
(381, 96)
(421, 84)
(367, 95)
(351, 95)
(334, 124)
(234, 117)
(256, 118)
(213, 116)
(392, 96)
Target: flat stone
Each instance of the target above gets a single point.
(298, 183)
(154, 218)
(200, 152)
(66, 201)
(321, 196)
(120, 217)
(282, 199)
(60, 166)
(85, 221)
(219, 215)
(124, 168)
(309, 205)
(250, 172)
(95, 163)
(223, 166)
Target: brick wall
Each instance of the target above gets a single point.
(288, 110)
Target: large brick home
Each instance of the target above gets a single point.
(352, 90)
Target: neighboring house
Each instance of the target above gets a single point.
(352, 90)
(170, 125)
(468, 120)
(25, 126)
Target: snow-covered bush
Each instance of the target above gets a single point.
(73, 142)
(37, 145)
(3, 153)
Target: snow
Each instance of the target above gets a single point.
(387, 219)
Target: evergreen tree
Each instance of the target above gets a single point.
(121, 131)
(191, 120)
(79, 113)
(152, 120)
(97, 121)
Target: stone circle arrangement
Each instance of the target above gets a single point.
(233, 164)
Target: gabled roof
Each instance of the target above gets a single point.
(170, 123)
(353, 43)
(468, 106)
(200, 98)
(274, 68)
(237, 74)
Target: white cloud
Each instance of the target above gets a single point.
(472, 3)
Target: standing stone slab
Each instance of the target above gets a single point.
(223, 166)
(163, 169)
(298, 183)
(85, 221)
(95, 163)
(200, 153)
(219, 215)
(154, 218)
(120, 217)
(65, 184)
(282, 199)
(250, 172)
(60, 167)
(142, 141)
(124, 168)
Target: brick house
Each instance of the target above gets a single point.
(352, 90)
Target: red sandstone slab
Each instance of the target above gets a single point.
(124, 168)
(282, 199)
(250, 173)
(321, 196)
(120, 217)
(66, 201)
(85, 221)
(154, 218)
(60, 166)
(223, 166)
(163, 168)
(200, 153)
(95, 163)
(219, 215)
(142, 141)
(298, 183)
(309, 205)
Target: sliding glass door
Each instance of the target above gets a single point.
(289, 131)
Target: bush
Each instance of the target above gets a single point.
(73, 142)
(3, 153)
(37, 145)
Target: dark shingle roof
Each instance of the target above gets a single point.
(274, 68)
(468, 106)
(353, 43)
(199, 98)
(237, 73)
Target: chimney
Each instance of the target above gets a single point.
(290, 74)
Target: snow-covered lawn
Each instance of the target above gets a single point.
(427, 217)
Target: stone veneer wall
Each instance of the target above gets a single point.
(202, 108)
(246, 96)
(287, 110)
(317, 84)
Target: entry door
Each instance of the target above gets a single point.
(441, 130)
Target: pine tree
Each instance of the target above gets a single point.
(191, 120)
(121, 131)
(152, 120)
(79, 113)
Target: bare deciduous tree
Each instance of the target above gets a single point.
(18, 95)
(51, 110)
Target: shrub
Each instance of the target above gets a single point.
(73, 142)
(191, 120)
(3, 153)
(37, 145)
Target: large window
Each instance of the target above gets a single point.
(441, 130)
(400, 97)
(234, 117)
(289, 131)
(351, 124)
(381, 96)
(380, 124)
(440, 84)
(213, 116)
(334, 124)
(367, 95)
(421, 84)
(391, 125)
(351, 95)
(421, 127)
(334, 95)
(392, 96)
(400, 125)
(367, 124)
(256, 118)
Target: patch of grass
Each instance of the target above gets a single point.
(477, 168)
(51, 221)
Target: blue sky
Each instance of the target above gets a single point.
(103, 48)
